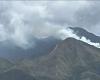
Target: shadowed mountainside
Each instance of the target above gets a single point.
(70, 60)
(13, 53)
(5, 65)
(15, 75)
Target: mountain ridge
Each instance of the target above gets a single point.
(68, 60)
(80, 32)
(71, 59)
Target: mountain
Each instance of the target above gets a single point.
(42, 47)
(15, 75)
(82, 32)
(70, 60)
(13, 53)
(5, 65)
(52, 59)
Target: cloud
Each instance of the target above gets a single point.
(66, 33)
(22, 21)
(89, 17)
(89, 42)
(62, 12)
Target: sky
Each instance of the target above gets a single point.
(22, 21)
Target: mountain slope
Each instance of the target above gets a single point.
(15, 75)
(14, 53)
(5, 65)
(70, 60)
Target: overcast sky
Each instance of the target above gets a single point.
(21, 20)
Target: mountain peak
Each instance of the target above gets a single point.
(70, 42)
(70, 39)
(80, 32)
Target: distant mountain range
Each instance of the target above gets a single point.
(70, 59)
(14, 53)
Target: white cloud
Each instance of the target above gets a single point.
(66, 33)
(89, 42)
(21, 20)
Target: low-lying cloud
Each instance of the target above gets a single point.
(22, 21)
(66, 33)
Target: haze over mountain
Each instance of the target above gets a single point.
(13, 53)
(43, 19)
